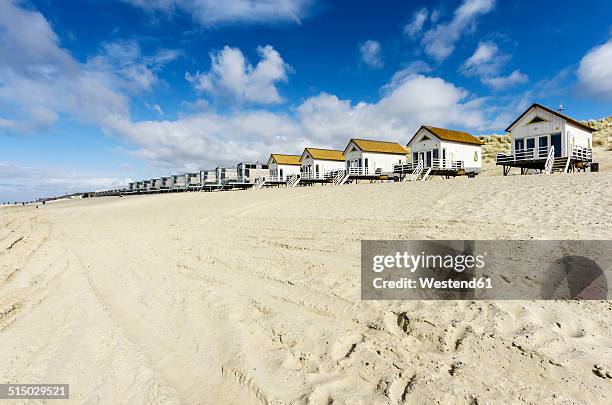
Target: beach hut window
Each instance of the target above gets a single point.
(518, 144)
(476, 156)
(543, 145)
(415, 157)
(365, 164)
(435, 153)
(536, 120)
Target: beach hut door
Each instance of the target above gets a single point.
(555, 140)
(531, 146)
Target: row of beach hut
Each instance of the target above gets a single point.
(542, 140)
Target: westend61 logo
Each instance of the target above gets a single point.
(485, 269)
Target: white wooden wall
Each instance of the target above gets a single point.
(553, 125)
(383, 161)
(288, 170)
(308, 164)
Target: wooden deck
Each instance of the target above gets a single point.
(309, 179)
(535, 159)
(437, 167)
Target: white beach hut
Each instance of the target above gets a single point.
(445, 151)
(166, 183)
(282, 167)
(319, 165)
(226, 175)
(208, 176)
(179, 182)
(156, 184)
(366, 158)
(193, 180)
(546, 140)
(248, 171)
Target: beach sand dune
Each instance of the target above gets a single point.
(254, 297)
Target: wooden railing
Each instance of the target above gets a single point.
(259, 182)
(363, 171)
(578, 153)
(293, 180)
(273, 178)
(417, 171)
(434, 164)
(313, 176)
(582, 153)
(550, 159)
(523, 154)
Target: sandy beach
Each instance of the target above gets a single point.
(253, 297)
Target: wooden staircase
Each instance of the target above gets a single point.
(560, 164)
(293, 180)
(341, 177)
(259, 183)
(418, 172)
(425, 176)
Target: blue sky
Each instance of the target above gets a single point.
(96, 93)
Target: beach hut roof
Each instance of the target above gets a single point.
(286, 159)
(450, 135)
(367, 145)
(557, 113)
(323, 154)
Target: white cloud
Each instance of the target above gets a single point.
(487, 60)
(231, 76)
(414, 27)
(371, 54)
(440, 41)
(40, 80)
(22, 182)
(329, 121)
(128, 68)
(434, 17)
(595, 71)
(208, 139)
(214, 12)
(415, 67)
(504, 82)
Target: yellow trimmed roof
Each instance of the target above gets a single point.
(325, 154)
(367, 145)
(453, 136)
(286, 159)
